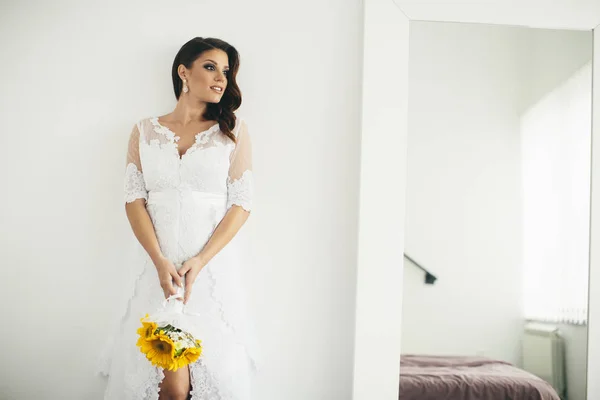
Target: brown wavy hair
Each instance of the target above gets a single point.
(223, 112)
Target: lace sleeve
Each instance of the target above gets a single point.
(239, 182)
(135, 187)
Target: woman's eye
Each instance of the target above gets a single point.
(212, 68)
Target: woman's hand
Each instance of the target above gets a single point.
(167, 273)
(190, 269)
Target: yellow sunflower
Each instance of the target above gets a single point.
(187, 357)
(159, 349)
(178, 362)
(145, 345)
(191, 354)
(146, 331)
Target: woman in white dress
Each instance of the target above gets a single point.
(188, 191)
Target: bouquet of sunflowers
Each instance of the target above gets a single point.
(166, 338)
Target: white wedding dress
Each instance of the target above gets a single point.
(186, 197)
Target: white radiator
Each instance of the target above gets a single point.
(544, 355)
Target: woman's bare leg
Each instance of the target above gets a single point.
(175, 385)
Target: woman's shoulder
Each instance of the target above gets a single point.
(146, 120)
(144, 123)
(140, 128)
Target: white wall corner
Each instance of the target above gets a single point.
(382, 201)
(401, 9)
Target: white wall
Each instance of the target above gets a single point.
(382, 194)
(74, 79)
(463, 194)
(593, 371)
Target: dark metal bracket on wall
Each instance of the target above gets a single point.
(429, 277)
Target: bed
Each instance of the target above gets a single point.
(468, 378)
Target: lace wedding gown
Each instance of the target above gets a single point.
(186, 197)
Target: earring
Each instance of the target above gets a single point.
(185, 88)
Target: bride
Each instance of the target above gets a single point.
(188, 191)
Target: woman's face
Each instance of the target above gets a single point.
(207, 79)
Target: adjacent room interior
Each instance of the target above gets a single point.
(495, 285)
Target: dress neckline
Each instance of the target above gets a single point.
(174, 138)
